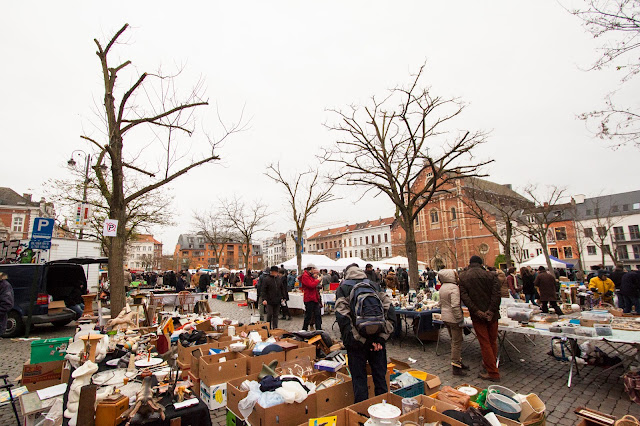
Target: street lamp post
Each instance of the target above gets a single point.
(87, 161)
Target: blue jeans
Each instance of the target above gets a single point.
(628, 302)
(530, 298)
(78, 309)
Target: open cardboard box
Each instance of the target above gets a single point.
(283, 414)
(184, 352)
(303, 350)
(56, 307)
(214, 374)
(254, 363)
(44, 374)
(359, 411)
(335, 397)
(441, 406)
(341, 415)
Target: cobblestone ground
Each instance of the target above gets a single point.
(532, 370)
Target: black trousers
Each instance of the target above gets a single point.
(272, 315)
(554, 305)
(285, 310)
(358, 366)
(312, 309)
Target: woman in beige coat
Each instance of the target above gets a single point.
(451, 313)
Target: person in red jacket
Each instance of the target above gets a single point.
(310, 282)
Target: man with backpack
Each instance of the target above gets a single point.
(366, 319)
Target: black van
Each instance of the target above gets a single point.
(57, 279)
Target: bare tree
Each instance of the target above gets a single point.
(496, 211)
(215, 229)
(403, 146)
(603, 220)
(245, 220)
(617, 22)
(168, 113)
(535, 221)
(305, 193)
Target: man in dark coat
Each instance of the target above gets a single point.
(204, 281)
(284, 291)
(616, 277)
(548, 291)
(630, 291)
(6, 301)
(480, 292)
(272, 295)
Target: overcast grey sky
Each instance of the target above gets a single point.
(519, 66)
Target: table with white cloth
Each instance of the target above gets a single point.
(173, 299)
(296, 299)
(625, 343)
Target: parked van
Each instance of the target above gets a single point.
(55, 279)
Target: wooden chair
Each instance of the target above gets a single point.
(187, 301)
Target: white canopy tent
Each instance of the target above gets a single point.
(346, 261)
(319, 260)
(400, 261)
(540, 260)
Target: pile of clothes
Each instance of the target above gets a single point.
(271, 391)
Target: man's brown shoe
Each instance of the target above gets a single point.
(486, 376)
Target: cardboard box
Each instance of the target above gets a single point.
(430, 416)
(184, 352)
(335, 397)
(254, 363)
(56, 307)
(283, 414)
(215, 396)
(359, 413)
(431, 383)
(196, 354)
(342, 418)
(196, 383)
(234, 420)
(204, 326)
(303, 350)
(277, 332)
(258, 326)
(44, 374)
(235, 395)
(213, 371)
(214, 374)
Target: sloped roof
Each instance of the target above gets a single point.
(147, 238)
(387, 221)
(495, 188)
(9, 197)
(609, 205)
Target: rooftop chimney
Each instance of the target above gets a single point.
(579, 198)
(27, 197)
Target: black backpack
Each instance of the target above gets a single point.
(366, 309)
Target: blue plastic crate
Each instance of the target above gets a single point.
(409, 391)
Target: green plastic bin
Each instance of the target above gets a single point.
(49, 349)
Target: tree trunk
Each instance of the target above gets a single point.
(545, 250)
(412, 255)
(299, 250)
(247, 252)
(507, 244)
(116, 266)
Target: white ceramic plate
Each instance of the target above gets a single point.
(112, 377)
(113, 362)
(150, 363)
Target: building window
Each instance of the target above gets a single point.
(538, 251)
(588, 212)
(433, 214)
(602, 231)
(366, 240)
(588, 232)
(18, 223)
(554, 252)
(618, 233)
(591, 250)
(350, 253)
(634, 232)
(360, 242)
(386, 251)
(625, 207)
(614, 209)
(361, 253)
(623, 254)
(367, 253)
(525, 253)
(386, 239)
(379, 238)
(636, 251)
(606, 249)
(454, 213)
(561, 233)
(636, 206)
(568, 252)
(380, 252)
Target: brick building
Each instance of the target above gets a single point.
(17, 213)
(447, 234)
(192, 251)
(370, 240)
